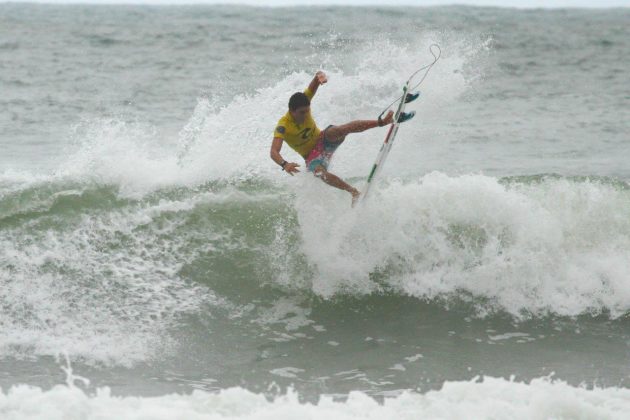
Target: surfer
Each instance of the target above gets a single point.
(298, 129)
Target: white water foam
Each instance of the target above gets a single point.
(104, 288)
(484, 398)
(555, 245)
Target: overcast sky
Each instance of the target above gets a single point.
(506, 3)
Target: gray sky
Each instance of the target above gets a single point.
(504, 3)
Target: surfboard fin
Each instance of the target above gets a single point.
(406, 116)
(411, 97)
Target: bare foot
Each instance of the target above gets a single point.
(355, 196)
(389, 118)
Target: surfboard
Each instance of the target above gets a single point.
(389, 138)
(399, 117)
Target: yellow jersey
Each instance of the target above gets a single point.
(300, 137)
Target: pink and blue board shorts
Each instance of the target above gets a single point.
(322, 152)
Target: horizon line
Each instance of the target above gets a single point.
(285, 3)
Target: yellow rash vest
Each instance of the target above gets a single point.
(300, 137)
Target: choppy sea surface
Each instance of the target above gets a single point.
(149, 245)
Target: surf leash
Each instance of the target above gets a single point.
(426, 69)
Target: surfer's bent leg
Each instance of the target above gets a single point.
(333, 180)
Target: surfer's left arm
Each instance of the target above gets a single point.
(319, 79)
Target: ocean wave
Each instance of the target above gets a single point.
(82, 269)
(480, 398)
(132, 231)
(530, 246)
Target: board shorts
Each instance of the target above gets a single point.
(322, 152)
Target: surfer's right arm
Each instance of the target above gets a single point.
(289, 167)
(319, 79)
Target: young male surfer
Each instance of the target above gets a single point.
(298, 129)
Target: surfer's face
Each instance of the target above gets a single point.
(299, 115)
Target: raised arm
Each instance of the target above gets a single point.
(319, 79)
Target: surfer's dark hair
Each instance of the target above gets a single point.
(298, 100)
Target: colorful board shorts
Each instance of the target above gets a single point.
(322, 152)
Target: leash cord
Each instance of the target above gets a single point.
(427, 68)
